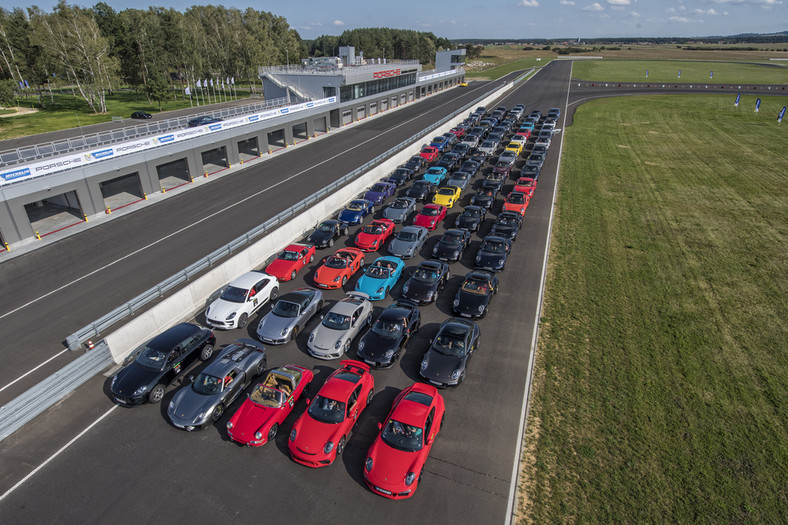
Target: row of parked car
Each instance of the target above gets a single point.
(394, 461)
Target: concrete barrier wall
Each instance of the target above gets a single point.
(190, 300)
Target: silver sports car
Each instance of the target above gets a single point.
(289, 316)
(333, 336)
(408, 241)
(203, 400)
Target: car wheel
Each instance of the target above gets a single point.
(344, 280)
(311, 257)
(369, 397)
(319, 306)
(261, 367)
(206, 353)
(156, 395)
(371, 209)
(330, 243)
(415, 327)
(346, 348)
(217, 412)
(443, 420)
(294, 333)
(462, 377)
(274, 294)
(292, 275)
(273, 431)
(341, 446)
(369, 319)
(243, 320)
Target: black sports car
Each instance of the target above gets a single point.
(451, 245)
(381, 345)
(419, 190)
(480, 157)
(493, 181)
(507, 225)
(426, 282)
(415, 163)
(475, 294)
(141, 115)
(530, 171)
(446, 360)
(147, 371)
(484, 198)
(326, 232)
(470, 218)
(492, 253)
(470, 166)
(448, 161)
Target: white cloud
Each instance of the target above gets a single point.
(594, 7)
(338, 23)
(765, 4)
(634, 14)
(528, 3)
(705, 12)
(684, 20)
(567, 2)
(619, 2)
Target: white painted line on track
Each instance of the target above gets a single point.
(34, 369)
(218, 212)
(56, 454)
(511, 507)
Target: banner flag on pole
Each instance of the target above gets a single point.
(711, 74)
(757, 105)
(781, 115)
(679, 73)
(647, 73)
(26, 84)
(21, 86)
(738, 97)
(187, 91)
(232, 81)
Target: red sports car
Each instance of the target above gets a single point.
(524, 133)
(430, 153)
(338, 268)
(290, 261)
(458, 131)
(525, 185)
(320, 434)
(430, 216)
(257, 420)
(516, 201)
(374, 234)
(395, 460)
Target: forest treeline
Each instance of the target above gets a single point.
(98, 49)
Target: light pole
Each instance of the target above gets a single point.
(287, 53)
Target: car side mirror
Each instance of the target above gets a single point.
(380, 426)
(191, 379)
(321, 316)
(307, 401)
(428, 441)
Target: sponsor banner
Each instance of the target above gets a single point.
(58, 164)
(438, 75)
(387, 73)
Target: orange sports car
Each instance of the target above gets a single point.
(525, 185)
(338, 268)
(516, 201)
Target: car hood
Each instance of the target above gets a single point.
(390, 465)
(418, 290)
(395, 214)
(132, 377)
(319, 237)
(325, 337)
(220, 309)
(489, 260)
(470, 302)
(399, 247)
(374, 196)
(503, 230)
(375, 347)
(441, 366)
(349, 216)
(280, 268)
(467, 222)
(271, 326)
(444, 250)
(416, 194)
(312, 434)
(188, 404)
(250, 418)
(365, 282)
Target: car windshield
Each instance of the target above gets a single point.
(471, 213)
(450, 344)
(425, 274)
(435, 171)
(402, 437)
(399, 204)
(289, 256)
(516, 198)
(336, 262)
(506, 221)
(152, 358)
(493, 246)
(446, 191)
(325, 227)
(336, 321)
(378, 272)
(525, 182)
(372, 229)
(266, 396)
(207, 385)
(234, 294)
(285, 309)
(484, 193)
(451, 238)
(387, 329)
(488, 144)
(475, 286)
(429, 212)
(354, 207)
(378, 188)
(327, 410)
(407, 236)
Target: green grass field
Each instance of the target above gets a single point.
(661, 384)
(608, 70)
(497, 72)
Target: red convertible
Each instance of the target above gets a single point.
(290, 261)
(257, 420)
(320, 434)
(525, 185)
(374, 234)
(395, 460)
(338, 268)
(430, 216)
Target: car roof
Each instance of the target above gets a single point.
(249, 279)
(346, 306)
(168, 339)
(231, 357)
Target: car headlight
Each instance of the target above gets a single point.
(456, 302)
(405, 288)
(329, 447)
(424, 363)
(456, 374)
(114, 380)
(389, 354)
(141, 390)
(172, 405)
(311, 337)
(374, 243)
(456, 253)
(381, 289)
(368, 464)
(293, 434)
(410, 250)
(229, 425)
(284, 331)
(435, 250)
(500, 264)
(258, 435)
(338, 344)
(231, 316)
(481, 308)
(410, 478)
(430, 294)
(478, 258)
(336, 279)
(432, 222)
(361, 345)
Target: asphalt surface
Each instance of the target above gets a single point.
(133, 466)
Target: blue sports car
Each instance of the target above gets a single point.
(380, 191)
(380, 277)
(435, 175)
(356, 210)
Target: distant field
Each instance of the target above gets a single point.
(662, 371)
(496, 72)
(667, 71)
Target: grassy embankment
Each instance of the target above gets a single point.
(691, 71)
(661, 382)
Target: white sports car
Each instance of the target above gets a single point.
(240, 299)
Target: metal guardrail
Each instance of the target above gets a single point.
(51, 390)
(75, 340)
(69, 145)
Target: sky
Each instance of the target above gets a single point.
(507, 19)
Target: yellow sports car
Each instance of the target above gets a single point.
(447, 196)
(463, 84)
(516, 146)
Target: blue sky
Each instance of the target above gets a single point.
(511, 19)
